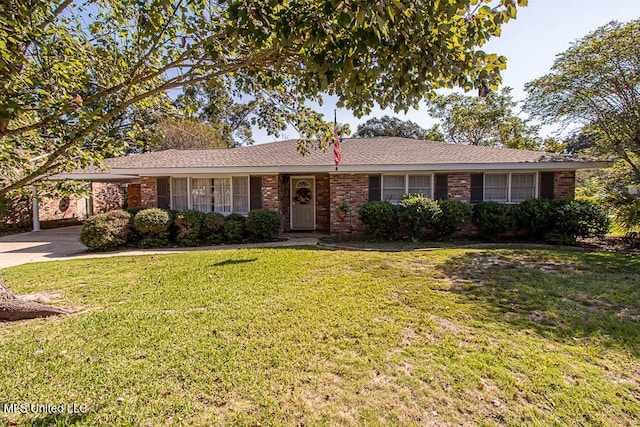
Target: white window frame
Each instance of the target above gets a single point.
(509, 199)
(210, 177)
(406, 183)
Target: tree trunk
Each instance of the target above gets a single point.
(12, 307)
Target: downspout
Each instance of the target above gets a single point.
(36, 212)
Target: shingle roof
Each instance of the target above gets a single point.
(355, 152)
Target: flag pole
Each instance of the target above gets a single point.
(335, 126)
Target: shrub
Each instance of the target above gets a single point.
(235, 229)
(153, 226)
(626, 210)
(106, 231)
(453, 216)
(188, 224)
(536, 216)
(419, 213)
(493, 219)
(263, 224)
(580, 218)
(212, 230)
(133, 211)
(379, 218)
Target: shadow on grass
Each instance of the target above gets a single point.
(233, 262)
(59, 420)
(561, 294)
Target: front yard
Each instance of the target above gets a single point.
(300, 336)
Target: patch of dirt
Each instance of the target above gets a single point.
(618, 244)
(44, 297)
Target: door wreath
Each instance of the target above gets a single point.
(303, 196)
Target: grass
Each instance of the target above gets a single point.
(309, 337)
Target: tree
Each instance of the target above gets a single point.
(391, 126)
(488, 120)
(183, 133)
(67, 88)
(592, 92)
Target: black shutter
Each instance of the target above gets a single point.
(255, 190)
(442, 187)
(546, 185)
(162, 192)
(375, 190)
(477, 183)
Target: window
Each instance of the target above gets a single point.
(522, 186)
(496, 187)
(393, 187)
(201, 194)
(505, 187)
(240, 194)
(396, 186)
(420, 184)
(222, 195)
(179, 196)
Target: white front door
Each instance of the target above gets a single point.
(303, 203)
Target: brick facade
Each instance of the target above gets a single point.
(149, 192)
(270, 193)
(284, 183)
(134, 196)
(351, 189)
(323, 202)
(459, 187)
(63, 207)
(107, 197)
(564, 185)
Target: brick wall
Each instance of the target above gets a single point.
(63, 207)
(270, 193)
(149, 192)
(323, 201)
(134, 196)
(564, 185)
(107, 197)
(353, 190)
(284, 202)
(459, 187)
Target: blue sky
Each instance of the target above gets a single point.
(542, 30)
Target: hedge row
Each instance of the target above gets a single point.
(158, 227)
(557, 221)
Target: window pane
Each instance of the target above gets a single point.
(179, 199)
(392, 188)
(420, 184)
(522, 186)
(495, 187)
(240, 194)
(222, 195)
(201, 194)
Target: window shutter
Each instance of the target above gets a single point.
(374, 188)
(255, 189)
(476, 187)
(442, 187)
(546, 185)
(162, 192)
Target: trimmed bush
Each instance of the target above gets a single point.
(153, 226)
(493, 219)
(133, 211)
(106, 231)
(263, 224)
(187, 225)
(419, 213)
(537, 216)
(380, 218)
(235, 229)
(452, 217)
(580, 218)
(212, 230)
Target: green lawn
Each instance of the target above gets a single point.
(301, 336)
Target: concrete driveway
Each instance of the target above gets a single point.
(64, 243)
(45, 245)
